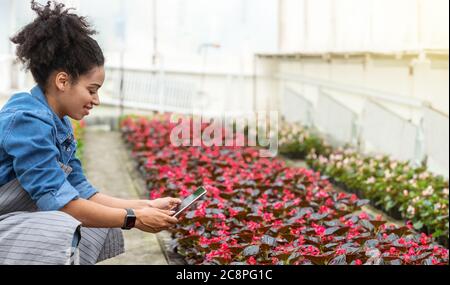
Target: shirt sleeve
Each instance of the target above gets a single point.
(31, 143)
(77, 178)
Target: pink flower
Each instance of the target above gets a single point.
(268, 217)
(232, 212)
(251, 261)
(204, 241)
(224, 247)
(423, 239)
(324, 209)
(363, 216)
(253, 225)
(320, 230)
(409, 225)
(341, 251)
(293, 212)
(392, 250)
(278, 205)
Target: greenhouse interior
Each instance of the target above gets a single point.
(225, 132)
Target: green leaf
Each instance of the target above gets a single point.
(418, 225)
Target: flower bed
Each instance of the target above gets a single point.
(297, 141)
(78, 131)
(258, 211)
(397, 188)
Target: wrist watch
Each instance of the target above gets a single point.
(130, 220)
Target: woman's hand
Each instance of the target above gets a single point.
(162, 204)
(165, 203)
(153, 220)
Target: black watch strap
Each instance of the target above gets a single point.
(130, 220)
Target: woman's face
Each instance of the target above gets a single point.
(81, 97)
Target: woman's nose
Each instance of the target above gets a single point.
(96, 100)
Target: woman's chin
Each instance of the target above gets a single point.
(77, 117)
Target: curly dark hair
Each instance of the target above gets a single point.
(57, 40)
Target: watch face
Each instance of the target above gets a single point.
(131, 220)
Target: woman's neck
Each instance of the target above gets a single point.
(54, 105)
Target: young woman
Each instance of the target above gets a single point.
(49, 212)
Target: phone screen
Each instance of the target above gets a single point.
(190, 200)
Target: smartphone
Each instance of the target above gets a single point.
(200, 192)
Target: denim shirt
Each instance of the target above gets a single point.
(34, 141)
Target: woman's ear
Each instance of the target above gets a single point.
(62, 81)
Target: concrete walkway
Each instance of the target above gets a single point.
(107, 167)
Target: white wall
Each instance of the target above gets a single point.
(411, 79)
(346, 25)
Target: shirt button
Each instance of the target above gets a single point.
(69, 149)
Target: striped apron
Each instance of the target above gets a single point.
(30, 237)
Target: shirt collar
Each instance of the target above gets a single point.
(63, 126)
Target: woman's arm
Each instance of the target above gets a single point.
(94, 215)
(113, 202)
(163, 204)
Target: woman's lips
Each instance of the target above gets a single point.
(87, 110)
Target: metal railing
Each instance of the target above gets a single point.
(149, 90)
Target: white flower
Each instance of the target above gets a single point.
(445, 191)
(428, 192)
(371, 180)
(424, 175)
(405, 192)
(411, 210)
(387, 174)
(413, 183)
(437, 206)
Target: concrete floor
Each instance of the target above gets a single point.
(107, 167)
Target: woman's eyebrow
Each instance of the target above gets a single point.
(95, 85)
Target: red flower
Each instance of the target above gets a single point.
(319, 230)
(423, 239)
(253, 225)
(268, 217)
(264, 186)
(363, 216)
(251, 261)
(232, 212)
(393, 251)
